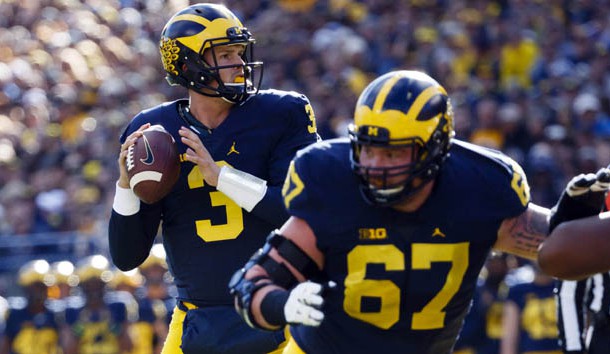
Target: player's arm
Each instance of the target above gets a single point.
(120, 311)
(132, 227)
(509, 344)
(256, 195)
(300, 132)
(577, 249)
(6, 342)
(270, 291)
(523, 234)
(68, 340)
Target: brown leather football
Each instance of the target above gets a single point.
(153, 164)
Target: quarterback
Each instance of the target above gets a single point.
(235, 143)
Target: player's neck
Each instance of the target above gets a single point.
(210, 111)
(415, 201)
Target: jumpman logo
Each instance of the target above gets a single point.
(437, 232)
(232, 150)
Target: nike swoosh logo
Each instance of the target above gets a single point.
(150, 158)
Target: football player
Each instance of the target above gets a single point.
(388, 230)
(235, 143)
(482, 329)
(148, 324)
(529, 321)
(99, 322)
(31, 325)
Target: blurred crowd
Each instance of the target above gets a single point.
(88, 307)
(531, 78)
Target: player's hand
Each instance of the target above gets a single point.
(130, 140)
(199, 155)
(304, 304)
(583, 196)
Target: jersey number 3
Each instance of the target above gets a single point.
(235, 218)
(423, 255)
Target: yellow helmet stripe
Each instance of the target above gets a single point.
(421, 100)
(383, 93)
(214, 29)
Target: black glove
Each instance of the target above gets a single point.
(583, 196)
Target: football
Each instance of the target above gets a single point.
(153, 164)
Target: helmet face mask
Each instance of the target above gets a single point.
(404, 110)
(384, 182)
(205, 27)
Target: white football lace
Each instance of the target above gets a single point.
(129, 160)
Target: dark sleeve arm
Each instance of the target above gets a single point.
(271, 207)
(300, 132)
(131, 237)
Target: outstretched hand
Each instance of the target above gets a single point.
(583, 196)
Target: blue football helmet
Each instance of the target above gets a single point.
(401, 109)
(202, 27)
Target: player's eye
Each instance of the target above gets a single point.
(397, 153)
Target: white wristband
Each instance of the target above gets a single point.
(243, 188)
(126, 202)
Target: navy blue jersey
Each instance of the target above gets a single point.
(32, 333)
(206, 235)
(404, 280)
(538, 317)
